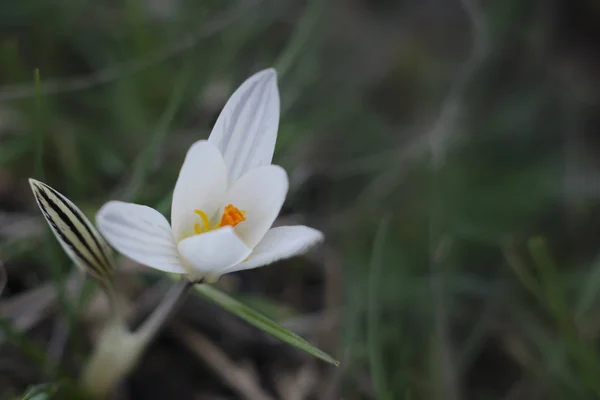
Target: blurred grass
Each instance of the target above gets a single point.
(377, 367)
(360, 87)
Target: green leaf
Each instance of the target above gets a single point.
(40, 392)
(261, 322)
(63, 390)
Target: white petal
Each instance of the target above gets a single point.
(212, 252)
(279, 243)
(260, 194)
(141, 233)
(201, 184)
(246, 129)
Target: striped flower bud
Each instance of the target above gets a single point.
(75, 233)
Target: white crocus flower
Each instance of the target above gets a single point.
(225, 200)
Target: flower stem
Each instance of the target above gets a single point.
(116, 311)
(154, 322)
(118, 349)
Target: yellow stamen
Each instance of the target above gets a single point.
(205, 221)
(232, 216)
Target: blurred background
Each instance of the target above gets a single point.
(448, 149)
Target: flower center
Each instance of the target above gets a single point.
(231, 217)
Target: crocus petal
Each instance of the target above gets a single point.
(246, 129)
(280, 243)
(260, 194)
(201, 184)
(212, 252)
(141, 233)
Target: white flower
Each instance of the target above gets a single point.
(225, 200)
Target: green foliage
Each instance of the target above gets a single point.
(261, 322)
(40, 392)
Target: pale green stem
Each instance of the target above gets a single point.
(118, 349)
(116, 311)
(152, 324)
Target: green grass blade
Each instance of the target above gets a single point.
(144, 161)
(584, 354)
(261, 322)
(374, 304)
(28, 347)
(305, 30)
(38, 126)
(589, 293)
(64, 390)
(40, 392)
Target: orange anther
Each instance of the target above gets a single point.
(232, 216)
